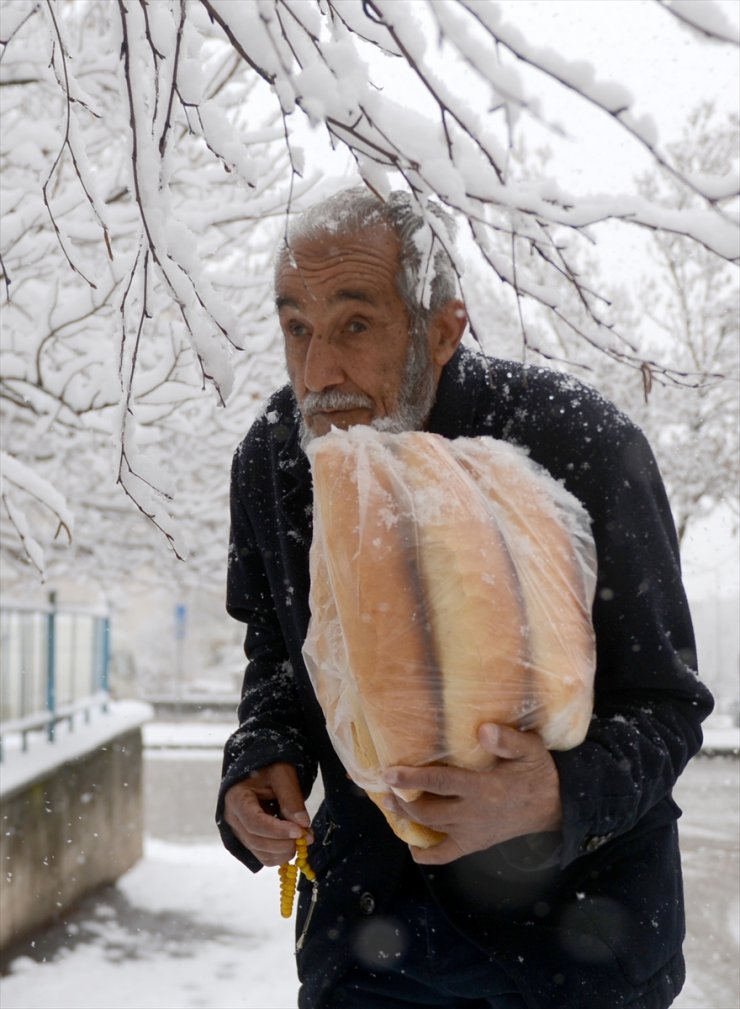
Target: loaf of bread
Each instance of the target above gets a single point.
(473, 600)
(555, 561)
(374, 588)
(368, 647)
(451, 585)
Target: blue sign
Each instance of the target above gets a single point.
(181, 613)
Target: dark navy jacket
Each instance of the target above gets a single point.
(591, 917)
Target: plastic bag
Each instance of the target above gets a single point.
(451, 585)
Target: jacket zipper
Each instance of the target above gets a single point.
(330, 828)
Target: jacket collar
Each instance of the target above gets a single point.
(456, 403)
(296, 500)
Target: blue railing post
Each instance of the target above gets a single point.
(38, 668)
(51, 665)
(105, 660)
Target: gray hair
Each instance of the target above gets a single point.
(426, 279)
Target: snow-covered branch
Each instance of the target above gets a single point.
(704, 17)
(22, 479)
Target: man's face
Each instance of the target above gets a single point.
(348, 348)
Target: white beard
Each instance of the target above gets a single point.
(415, 398)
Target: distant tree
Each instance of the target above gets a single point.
(694, 301)
(149, 161)
(686, 308)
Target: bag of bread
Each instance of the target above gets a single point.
(451, 585)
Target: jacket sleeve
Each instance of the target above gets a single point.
(271, 726)
(649, 702)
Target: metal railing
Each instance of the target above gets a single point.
(55, 667)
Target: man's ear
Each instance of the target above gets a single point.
(446, 331)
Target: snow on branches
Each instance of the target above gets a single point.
(150, 159)
(135, 260)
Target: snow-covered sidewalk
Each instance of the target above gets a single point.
(188, 926)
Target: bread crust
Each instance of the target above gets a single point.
(379, 606)
(404, 827)
(475, 607)
(550, 577)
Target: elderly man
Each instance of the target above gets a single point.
(559, 883)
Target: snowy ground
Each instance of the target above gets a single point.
(189, 927)
(185, 927)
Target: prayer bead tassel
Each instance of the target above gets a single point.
(288, 873)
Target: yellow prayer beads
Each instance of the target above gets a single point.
(288, 873)
(302, 859)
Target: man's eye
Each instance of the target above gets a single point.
(357, 326)
(296, 330)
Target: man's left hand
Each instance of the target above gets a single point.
(477, 809)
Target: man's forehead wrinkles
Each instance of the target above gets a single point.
(310, 263)
(359, 269)
(366, 295)
(353, 294)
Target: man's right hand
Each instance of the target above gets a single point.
(267, 814)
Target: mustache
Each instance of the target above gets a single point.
(334, 399)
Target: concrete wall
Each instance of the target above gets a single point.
(76, 828)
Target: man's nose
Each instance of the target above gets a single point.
(322, 368)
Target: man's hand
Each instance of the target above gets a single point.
(476, 809)
(266, 812)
